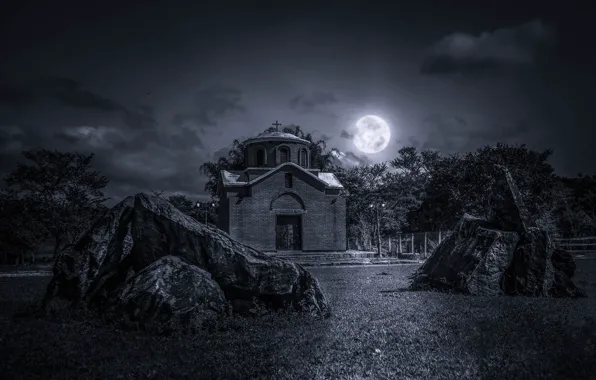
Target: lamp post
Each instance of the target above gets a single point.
(206, 209)
(377, 206)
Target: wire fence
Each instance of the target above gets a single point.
(422, 244)
(418, 244)
(580, 246)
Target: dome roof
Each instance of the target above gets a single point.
(276, 136)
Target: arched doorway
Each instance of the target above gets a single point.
(288, 232)
(288, 208)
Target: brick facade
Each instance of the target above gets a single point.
(248, 213)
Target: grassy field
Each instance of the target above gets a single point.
(379, 331)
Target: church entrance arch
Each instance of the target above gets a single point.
(288, 208)
(288, 232)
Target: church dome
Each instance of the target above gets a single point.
(276, 136)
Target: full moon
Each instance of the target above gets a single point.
(372, 134)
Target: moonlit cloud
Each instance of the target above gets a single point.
(349, 159)
(346, 135)
(466, 53)
(450, 134)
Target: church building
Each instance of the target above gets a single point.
(279, 202)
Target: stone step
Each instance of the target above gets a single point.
(322, 261)
(325, 255)
(376, 261)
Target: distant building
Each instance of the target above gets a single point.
(280, 203)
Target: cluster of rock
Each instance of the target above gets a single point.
(503, 255)
(148, 262)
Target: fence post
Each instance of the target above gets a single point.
(399, 246)
(439, 236)
(389, 241)
(412, 243)
(425, 245)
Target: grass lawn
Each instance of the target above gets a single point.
(378, 331)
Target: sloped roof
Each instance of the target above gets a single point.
(330, 179)
(276, 136)
(233, 178)
(230, 178)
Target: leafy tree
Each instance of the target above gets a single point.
(61, 192)
(182, 203)
(20, 232)
(576, 207)
(320, 158)
(462, 183)
(189, 207)
(376, 197)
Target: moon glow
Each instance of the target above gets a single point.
(372, 134)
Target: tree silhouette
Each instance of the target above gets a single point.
(60, 191)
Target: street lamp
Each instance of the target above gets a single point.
(206, 209)
(378, 205)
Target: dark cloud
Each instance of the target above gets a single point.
(12, 140)
(130, 140)
(71, 93)
(13, 95)
(223, 152)
(309, 103)
(454, 134)
(506, 47)
(140, 118)
(211, 104)
(414, 142)
(133, 160)
(185, 138)
(346, 135)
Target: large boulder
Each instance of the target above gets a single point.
(504, 255)
(98, 262)
(530, 270)
(145, 238)
(564, 266)
(170, 289)
(470, 260)
(507, 209)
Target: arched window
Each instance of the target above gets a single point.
(260, 157)
(303, 158)
(284, 154)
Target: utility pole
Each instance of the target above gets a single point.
(377, 212)
(378, 233)
(206, 209)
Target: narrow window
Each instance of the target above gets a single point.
(288, 180)
(284, 155)
(260, 157)
(303, 158)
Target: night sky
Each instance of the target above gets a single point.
(157, 88)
